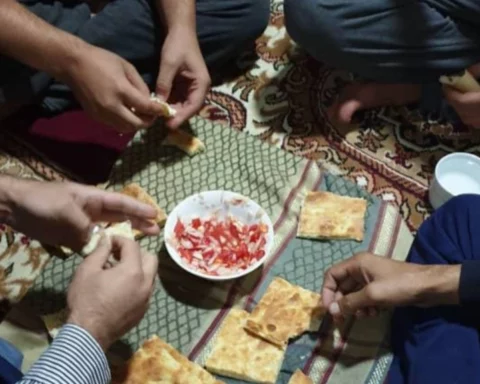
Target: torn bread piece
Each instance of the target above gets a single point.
(300, 378)
(325, 215)
(284, 312)
(123, 229)
(240, 355)
(158, 362)
(167, 110)
(138, 193)
(185, 142)
(463, 82)
(55, 321)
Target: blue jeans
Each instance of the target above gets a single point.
(392, 41)
(10, 363)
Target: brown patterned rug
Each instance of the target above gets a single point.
(283, 98)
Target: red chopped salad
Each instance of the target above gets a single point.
(219, 247)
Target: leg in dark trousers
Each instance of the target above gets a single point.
(441, 345)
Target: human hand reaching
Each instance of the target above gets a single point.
(183, 79)
(65, 213)
(107, 303)
(365, 283)
(108, 87)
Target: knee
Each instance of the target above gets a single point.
(461, 206)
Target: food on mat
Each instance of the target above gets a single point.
(167, 110)
(184, 141)
(158, 362)
(239, 354)
(325, 215)
(138, 193)
(300, 378)
(463, 82)
(284, 312)
(55, 321)
(219, 247)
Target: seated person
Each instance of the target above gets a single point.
(435, 328)
(64, 213)
(57, 52)
(402, 47)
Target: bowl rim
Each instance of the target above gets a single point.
(438, 167)
(177, 259)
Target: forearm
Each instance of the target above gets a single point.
(74, 357)
(177, 14)
(440, 285)
(32, 41)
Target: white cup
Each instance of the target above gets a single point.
(455, 174)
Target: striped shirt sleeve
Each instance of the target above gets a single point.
(74, 357)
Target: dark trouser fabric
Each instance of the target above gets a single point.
(397, 41)
(441, 345)
(131, 29)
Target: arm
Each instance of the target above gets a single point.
(30, 40)
(183, 76)
(74, 357)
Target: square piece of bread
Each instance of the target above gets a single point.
(300, 378)
(325, 215)
(241, 355)
(158, 362)
(284, 312)
(167, 110)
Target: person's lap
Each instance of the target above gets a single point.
(131, 29)
(441, 344)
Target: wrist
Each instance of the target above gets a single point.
(69, 59)
(440, 285)
(93, 329)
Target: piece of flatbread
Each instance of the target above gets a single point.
(300, 378)
(463, 82)
(138, 193)
(184, 141)
(167, 110)
(325, 215)
(158, 362)
(123, 229)
(240, 355)
(55, 321)
(284, 312)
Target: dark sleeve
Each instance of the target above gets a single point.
(469, 289)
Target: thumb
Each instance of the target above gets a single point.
(167, 73)
(98, 258)
(351, 303)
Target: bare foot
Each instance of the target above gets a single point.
(357, 96)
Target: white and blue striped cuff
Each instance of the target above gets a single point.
(74, 357)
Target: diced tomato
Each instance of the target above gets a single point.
(196, 223)
(179, 229)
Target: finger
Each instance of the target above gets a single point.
(144, 107)
(354, 302)
(195, 102)
(136, 80)
(334, 276)
(455, 97)
(78, 235)
(147, 227)
(98, 258)
(127, 252)
(111, 205)
(167, 72)
(150, 268)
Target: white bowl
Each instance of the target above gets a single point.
(455, 174)
(221, 204)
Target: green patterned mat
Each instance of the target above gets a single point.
(186, 311)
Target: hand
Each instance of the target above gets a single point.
(108, 87)
(109, 302)
(467, 105)
(183, 79)
(65, 213)
(364, 283)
